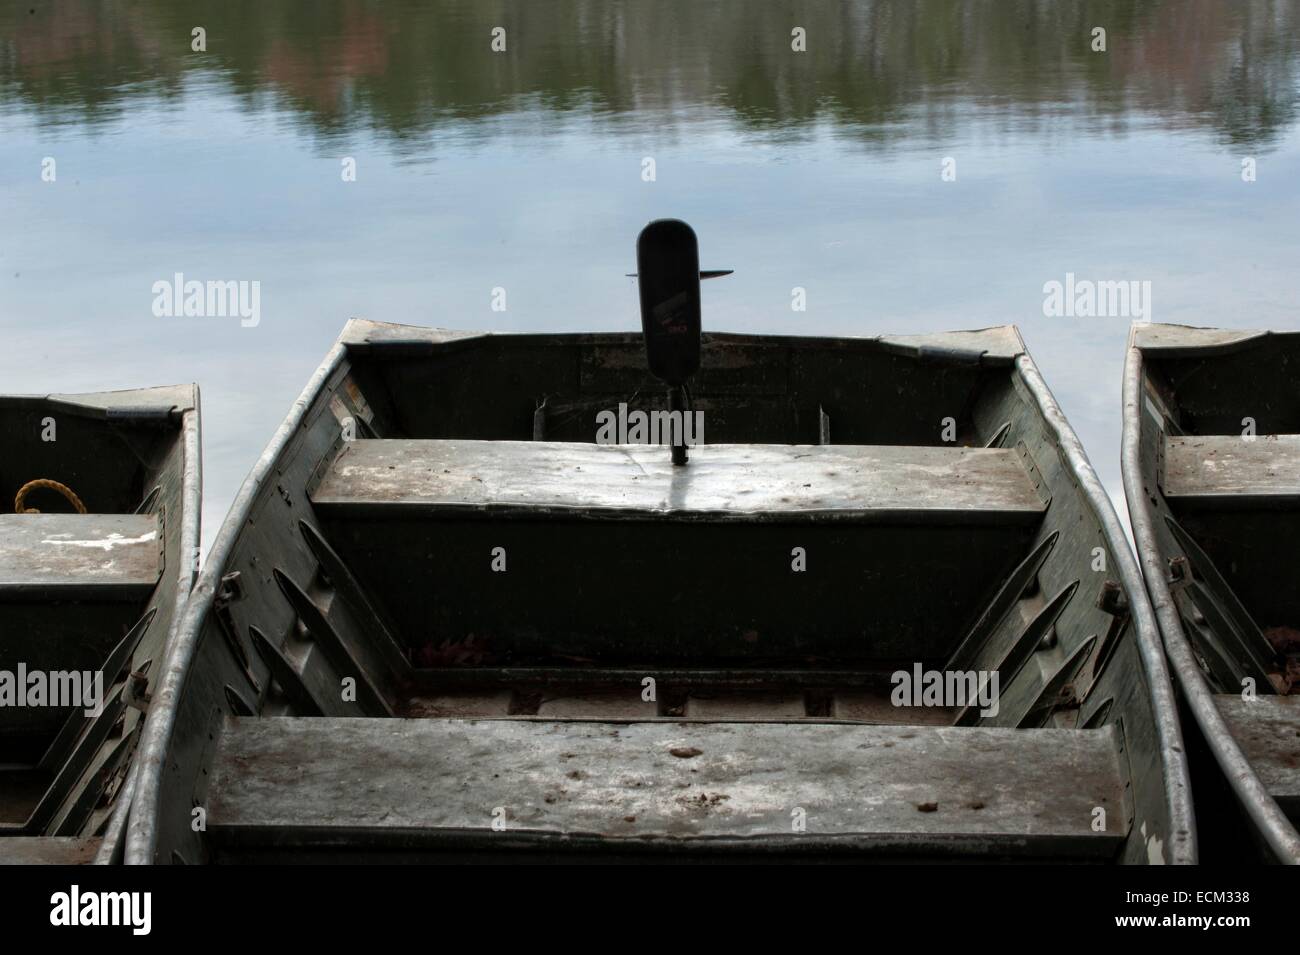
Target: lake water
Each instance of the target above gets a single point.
(918, 166)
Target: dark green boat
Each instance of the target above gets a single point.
(1211, 448)
(95, 568)
(443, 621)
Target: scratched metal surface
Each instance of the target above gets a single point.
(1163, 340)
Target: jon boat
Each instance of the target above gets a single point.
(441, 621)
(94, 571)
(1212, 476)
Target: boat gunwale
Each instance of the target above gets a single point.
(991, 346)
(1182, 844)
(112, 849)
(1259, 805)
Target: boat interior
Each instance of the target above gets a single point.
(91, 575)
(1220, 462)
(443, 618)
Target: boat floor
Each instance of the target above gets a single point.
(21, 790)
(304, 788)
(627, 700)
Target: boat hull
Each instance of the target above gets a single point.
(94, 575)
(1210, 525)
(586, 650)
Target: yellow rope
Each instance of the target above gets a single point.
(53, 486)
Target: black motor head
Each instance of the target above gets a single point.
(668, 268)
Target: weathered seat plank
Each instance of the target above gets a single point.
(721, 481)
(80, 555)
(1231, 470)
(1268, 732)
(417, 783)
(49, 850)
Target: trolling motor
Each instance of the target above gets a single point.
(668, 269)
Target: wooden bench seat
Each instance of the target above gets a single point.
(71, 585)
(1268, 731)
(750, 481)
(1228, 470)
(79, 556)
(49, 850)
(425, 784)
(611, 554)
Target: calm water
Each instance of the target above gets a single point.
(524, 170)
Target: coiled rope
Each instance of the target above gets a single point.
(53, 486)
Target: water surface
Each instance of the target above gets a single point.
(523, 170)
